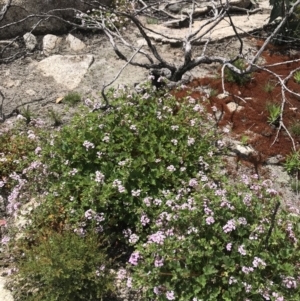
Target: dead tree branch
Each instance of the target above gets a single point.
(107, 105)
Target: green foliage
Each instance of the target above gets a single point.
(145, 178)
(292, 162)
(223, 245)
(72, 98)
(113, 160)
(152, 21)
(295, 185)
(55, 117)
(268, 87)
(245, 140)
(16, 147)
(274, 111)
(232, 77)
(63, 266)
(295, 128)
(297, 77)
(27, 114)
(213, 92)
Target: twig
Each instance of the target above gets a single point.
(107, 105)
(273, 34)
(272, 224)
(236, 33)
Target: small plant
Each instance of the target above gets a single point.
(245, 140)
(268, 87)
(295, 185)
(27, 114)
(295, 129)
(213, 92)
(292, 163)
(55, 117)
(152, 21)
(232, 77)
(297, 77)
(72, 98)
(274, 111)
(63, 266)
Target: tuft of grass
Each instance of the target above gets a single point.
(72, 98)
(292, 163)
(152, 21)
(297, 77)
(55, 117)
(28, 114)
(213, 92)
(244, 140)
(274, 113)
(268, 87)
(295, 129)
(295, 185)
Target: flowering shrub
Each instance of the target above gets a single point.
(109, 16)
(219, 242)
(146, 175)
(102, 170)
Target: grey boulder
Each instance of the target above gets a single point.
(13, 11)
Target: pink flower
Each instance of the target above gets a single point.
(134, 258)
(170, 295)
(229, 246)
(210, 220)
(241, 250)
(158, 262)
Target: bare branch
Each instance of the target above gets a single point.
(115, 78)
(274, 33)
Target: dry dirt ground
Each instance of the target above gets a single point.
(23, 84)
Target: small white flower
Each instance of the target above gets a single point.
(106, 138)
(174, 141)
(171, 168)
(99, 177)
(136, 192)
(191, 141)
(133, 238)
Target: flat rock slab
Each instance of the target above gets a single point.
(5, 295)
(67, 70)
(244, 24)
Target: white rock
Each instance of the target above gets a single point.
(30, 41)
(51, 44)
(9, 83)
(5, 295)
(67, 70)
(222, 95)
(30, 92)
(244, 149)
(234, 107)
(75, 44)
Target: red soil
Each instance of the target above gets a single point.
(252, 120)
